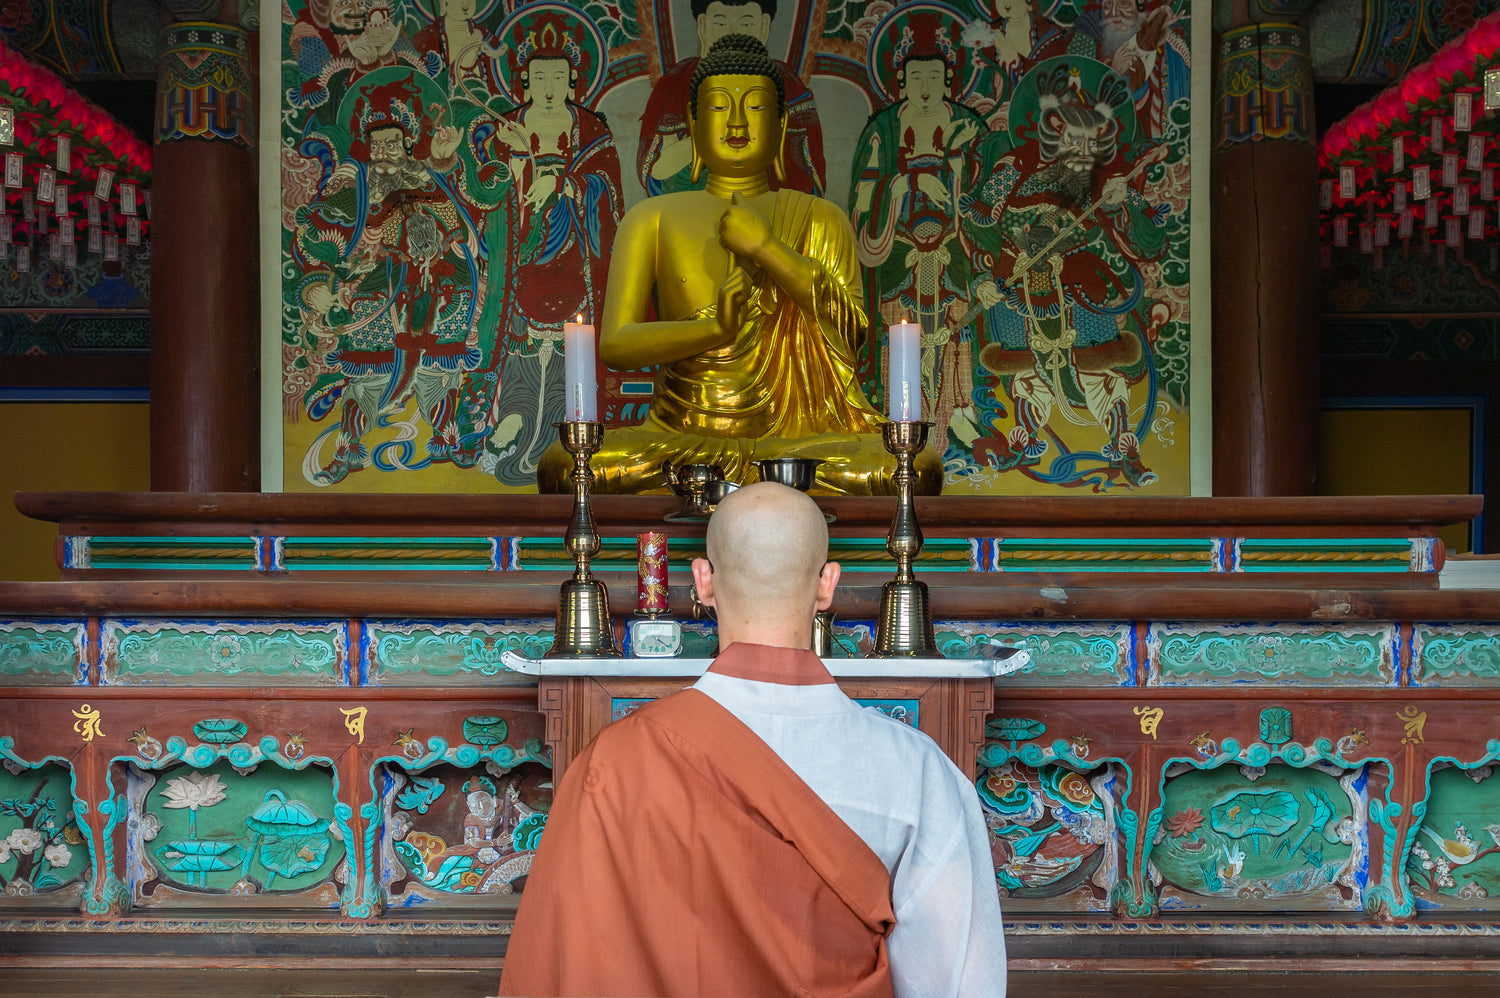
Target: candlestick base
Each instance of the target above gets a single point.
(584, 629)
(904, 624)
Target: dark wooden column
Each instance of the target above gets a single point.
(1265, 263)
(205, 307)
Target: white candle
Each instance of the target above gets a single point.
(905, 384)
(582, 403)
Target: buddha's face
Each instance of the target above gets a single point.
(737, 128)
(731, 19)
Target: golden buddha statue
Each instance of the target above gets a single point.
(759, 307)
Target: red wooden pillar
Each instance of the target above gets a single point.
(205, 306)
(1265, 264)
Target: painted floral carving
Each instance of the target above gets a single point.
(1185, 822)
(1255, 815)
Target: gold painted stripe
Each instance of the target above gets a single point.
(1190, 556)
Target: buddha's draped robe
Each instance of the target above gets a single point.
(786, 386)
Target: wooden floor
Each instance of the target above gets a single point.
(50, 983)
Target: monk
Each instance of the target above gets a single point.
(761, 833)
(758, 311)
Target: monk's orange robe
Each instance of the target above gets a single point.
(683, 857)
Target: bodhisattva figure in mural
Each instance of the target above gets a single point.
(547, 241)
(913, 162)
(400, 296)
(1061, 225)
(663, 157)
(468, 49)
(758, 310)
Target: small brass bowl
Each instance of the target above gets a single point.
(796, 472)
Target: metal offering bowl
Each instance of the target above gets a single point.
(714, 492)
(690, 479)
(796, 472)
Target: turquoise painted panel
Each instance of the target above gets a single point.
(1052, 834)
(1098, 554)
(855, 554)
(381, 554)
(169, 553)
(1183, 654)
(1455, 860)
(906, 711)
(1072, 654)
(461, 835)
(42, 851)
(224, 653)
(1354, 554)
(1466, 654)
(42, 652)
(424, 652)
(1236, 838)
(218, 833)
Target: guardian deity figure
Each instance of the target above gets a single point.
(758, 310)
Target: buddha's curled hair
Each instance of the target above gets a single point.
(738, 55)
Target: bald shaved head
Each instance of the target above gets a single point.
(767, 567)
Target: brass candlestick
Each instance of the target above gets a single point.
(583, 629)
(904, 628)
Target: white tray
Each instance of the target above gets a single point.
(1013, 660)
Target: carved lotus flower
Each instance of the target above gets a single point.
(194, 791)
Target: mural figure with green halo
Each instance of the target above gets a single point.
(1068, 239)
(547, 241)
(910, 166)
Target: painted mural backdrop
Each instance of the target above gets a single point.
(453, 172)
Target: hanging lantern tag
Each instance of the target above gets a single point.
(111, 247)
(1463, 111)
(5, 229)
(96, 240)
(23, 259)
(65, 230)
(1450, 169)
(7, 125)
(1492, 88)
(1421, 182)
(46, 185)
(1435, 134)
(1398, 196)
(64, 209)
(1403, 229)
(64, 154)
(1325, 194)
(1366, 239)
(133, 231)
(1454, 236)
(54, 248)
(127, 199)
(1383, 232)
(70, 256)
(1476, 223)
(1461, 199)
(93, 211)
(104, 187)
(12, 169)
(1341, 231)
(1475, 159)
(1432, 214)
(1398, 154)
(1487, 184)
(28, 206)
(1346, 182)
